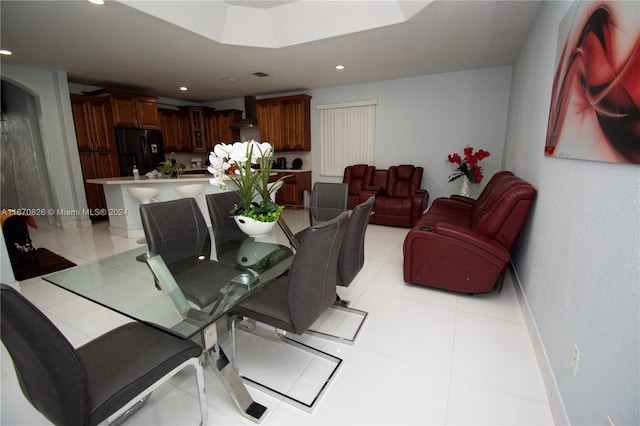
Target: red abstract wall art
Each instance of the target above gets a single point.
(595, 103)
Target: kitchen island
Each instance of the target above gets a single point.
(124, 210)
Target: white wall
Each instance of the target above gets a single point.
(579, 257)
(6, 270)
(421, 120)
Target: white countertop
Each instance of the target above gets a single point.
(203, 177)
(130, 180)
(290, 170)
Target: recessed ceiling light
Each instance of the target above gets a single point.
(184, 88)
(339, 67)
(230, 79)
(5, 52)
(100, 2)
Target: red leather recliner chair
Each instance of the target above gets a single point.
(402, 201)
(359, 178)
(462, 244)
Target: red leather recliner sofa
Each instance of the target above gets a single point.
(359, 178)
(399, 199)
(462, 244)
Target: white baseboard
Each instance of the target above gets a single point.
(556, 404)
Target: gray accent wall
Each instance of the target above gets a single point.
(579, 257)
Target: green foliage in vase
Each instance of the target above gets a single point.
(248, 165)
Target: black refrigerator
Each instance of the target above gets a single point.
(140, 147)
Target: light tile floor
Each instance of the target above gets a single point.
(424, 356)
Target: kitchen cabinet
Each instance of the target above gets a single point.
(176, 130)
(217, 126)
(132, 110)
(292, 191)
(270, 124)
(286, 122)
(197, 128)
(92, 118)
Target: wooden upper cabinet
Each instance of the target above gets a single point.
(131, 110)
(286, 122)
(104, 137)
(176, 132)
(198, 133)
(269, 117)
(168, 124)
(92, 121)
(217, 125)
(197, 129)
(146, 112)
(296, 127)
(82, 123)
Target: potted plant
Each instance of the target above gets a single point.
(248, 165)
(171, 169)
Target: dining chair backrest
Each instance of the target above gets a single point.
(176, 229)
(312, 277)
(351, 257)
(225, 232)
(103, 378)
(328, 195)
(293, 302)
(49, 371)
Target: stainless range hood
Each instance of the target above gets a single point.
(250, 116)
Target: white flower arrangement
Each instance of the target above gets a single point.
(247, 164)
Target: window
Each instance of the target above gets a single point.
(347, 134)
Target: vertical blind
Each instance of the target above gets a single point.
(347, 134)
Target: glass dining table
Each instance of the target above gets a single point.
(163, 284)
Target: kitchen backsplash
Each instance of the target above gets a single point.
(189, 158)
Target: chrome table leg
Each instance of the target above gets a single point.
(229, 377)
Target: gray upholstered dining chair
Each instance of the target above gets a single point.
(327, 201)
(293, 302)
(350, 262)
(177, 231)
(351, 257)
(226, 234)
(104, 379)
(333, 196)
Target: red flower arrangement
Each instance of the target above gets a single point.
(468, 164)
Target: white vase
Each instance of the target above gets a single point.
(252, 227)
(464, 189)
